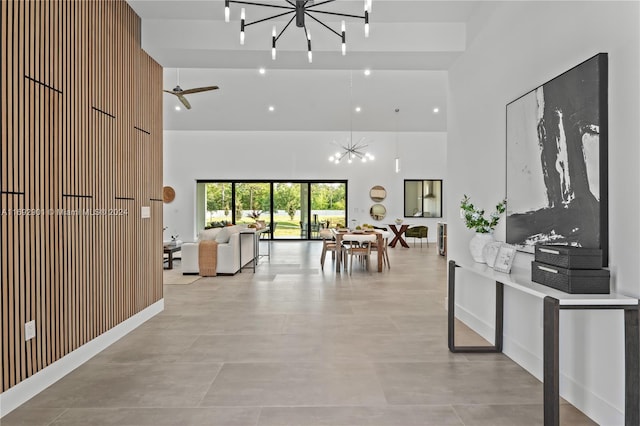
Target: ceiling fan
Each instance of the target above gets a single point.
(180, 92)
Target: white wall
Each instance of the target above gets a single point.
(193, 155)
(523, 45)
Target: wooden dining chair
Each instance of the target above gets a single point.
(382, 251)
(328, 244)
(359, 246)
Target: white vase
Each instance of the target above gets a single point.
(477, 243)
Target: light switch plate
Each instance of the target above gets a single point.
(29, 330)
(146, 212)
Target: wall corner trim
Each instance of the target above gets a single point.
(30, 387)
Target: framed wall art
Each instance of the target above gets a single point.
(557, 161)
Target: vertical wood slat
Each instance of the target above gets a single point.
(60, 59)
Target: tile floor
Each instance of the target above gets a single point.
(293, 345)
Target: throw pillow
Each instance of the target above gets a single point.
(224, 235)
(209, 234)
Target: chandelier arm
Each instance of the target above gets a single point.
(322, 23)
(261, 4)
(285, 27)
(270, 17)
(338, 14)
(321, 3)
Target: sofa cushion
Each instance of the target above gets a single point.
(209, 234)
(225, 233)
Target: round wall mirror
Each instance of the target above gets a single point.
(378, 212)
(378, 193)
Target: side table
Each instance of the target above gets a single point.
(398, 234)
(170, 250)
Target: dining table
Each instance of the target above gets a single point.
(398, 234)
(338, 234)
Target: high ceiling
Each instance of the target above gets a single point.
(412, 44)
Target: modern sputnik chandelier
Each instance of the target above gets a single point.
(352, 150)
(300, 10)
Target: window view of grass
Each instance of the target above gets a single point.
(299, 211)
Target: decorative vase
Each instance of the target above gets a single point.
(477, 243)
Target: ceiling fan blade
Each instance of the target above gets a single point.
(199, 89)
(184, 101)
(170, 91)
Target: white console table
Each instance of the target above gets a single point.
(553, 302)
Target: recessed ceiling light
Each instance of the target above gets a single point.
(272, 108)
(178, 108)
(367, 72)
(262, 70)
(358, 109)
(436, 110)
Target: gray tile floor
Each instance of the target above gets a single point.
(293, 345)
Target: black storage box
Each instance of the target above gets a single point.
(569, 257)
(575, 281)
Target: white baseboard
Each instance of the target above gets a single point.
(487, 331)
(30, 387)
(592, 405)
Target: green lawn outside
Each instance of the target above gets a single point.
(287, 228)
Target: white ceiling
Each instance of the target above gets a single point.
(412, 44)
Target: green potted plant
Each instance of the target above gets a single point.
(474, 218)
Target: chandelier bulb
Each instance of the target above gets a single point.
(242, 18)
(310, 57)
(226, 11)
(366, 23)
(343, 27)
(273, 43)
(331, 158)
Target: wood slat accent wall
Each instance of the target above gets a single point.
(81, 110)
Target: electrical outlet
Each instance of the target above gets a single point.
(29, 330)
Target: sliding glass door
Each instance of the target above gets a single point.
(295, 210)
(328, 207)
(287, 219)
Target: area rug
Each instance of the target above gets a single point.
(174, 277)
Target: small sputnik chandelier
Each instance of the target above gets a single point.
(352, 151)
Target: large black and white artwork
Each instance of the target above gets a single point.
(557, 161)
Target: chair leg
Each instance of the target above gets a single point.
(324, 253)
(351, 263)
(386, 257)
